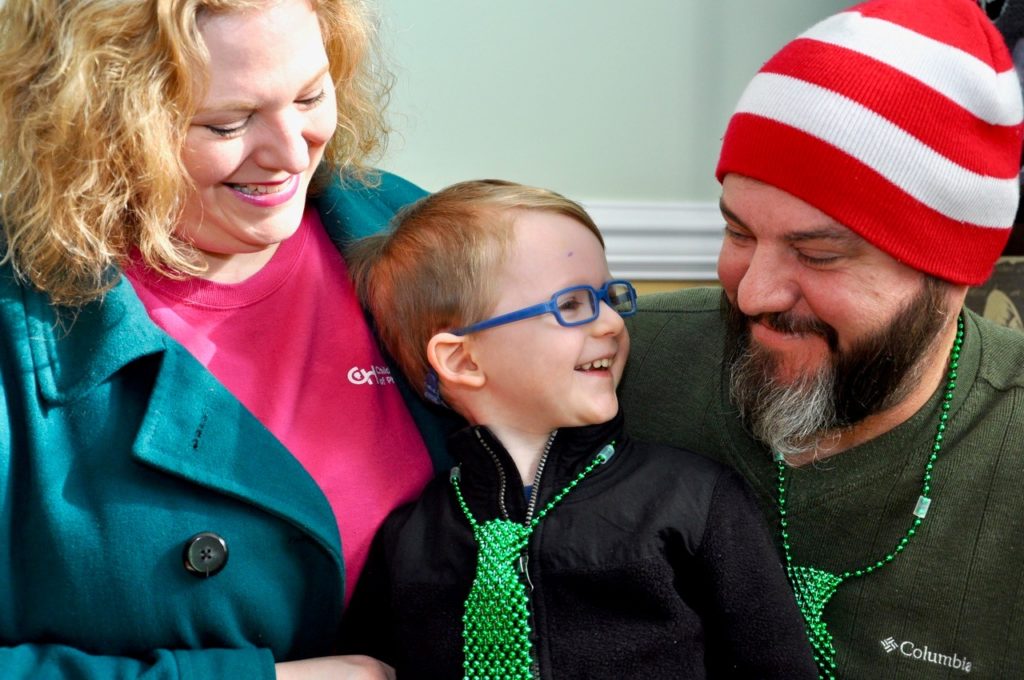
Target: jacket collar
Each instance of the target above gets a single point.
(108, 334)
(487, 467)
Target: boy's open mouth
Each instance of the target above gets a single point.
(596, 365)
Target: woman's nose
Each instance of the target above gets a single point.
(283, 145)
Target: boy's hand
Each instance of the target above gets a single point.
(352, 667)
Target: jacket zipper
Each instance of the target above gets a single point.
(535, 489)
(501, 474)
(531, 506)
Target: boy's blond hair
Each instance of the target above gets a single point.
(436, 268)
(95, 102)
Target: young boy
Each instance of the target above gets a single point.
(558, 547)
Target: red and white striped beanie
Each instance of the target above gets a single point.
(899, 119)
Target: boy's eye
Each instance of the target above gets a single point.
(619, 297)
(574, 305)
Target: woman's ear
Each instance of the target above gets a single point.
(451, 358)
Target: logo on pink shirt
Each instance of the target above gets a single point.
(374, 375)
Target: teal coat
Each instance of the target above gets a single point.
(116, 447)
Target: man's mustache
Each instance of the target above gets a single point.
(787, 322)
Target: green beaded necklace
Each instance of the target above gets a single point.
(496, 624)
(815, 587)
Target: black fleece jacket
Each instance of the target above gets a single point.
(657, 565)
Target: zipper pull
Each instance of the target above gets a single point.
(524, 568)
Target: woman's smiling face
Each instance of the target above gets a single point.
(258, 136)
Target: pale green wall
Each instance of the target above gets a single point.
(598, 99)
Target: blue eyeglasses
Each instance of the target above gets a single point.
(572, 306)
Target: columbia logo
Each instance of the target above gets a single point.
(923, 653)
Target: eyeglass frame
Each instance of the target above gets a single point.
(550, 307)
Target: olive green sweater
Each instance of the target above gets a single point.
(952, 603)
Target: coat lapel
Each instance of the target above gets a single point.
(193, 427)
(209, 438)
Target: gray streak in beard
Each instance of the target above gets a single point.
(791, 419)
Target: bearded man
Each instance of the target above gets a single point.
(869, 176)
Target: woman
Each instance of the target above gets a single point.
(181, 445)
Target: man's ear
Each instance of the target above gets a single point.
(450, 357)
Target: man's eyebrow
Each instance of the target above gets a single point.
(730, 215)
(830, 231)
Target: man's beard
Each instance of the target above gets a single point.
(876, 373)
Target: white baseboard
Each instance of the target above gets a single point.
(660, 240)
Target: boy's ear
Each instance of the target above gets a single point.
(450, 357)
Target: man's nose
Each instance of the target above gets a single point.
(768, 285)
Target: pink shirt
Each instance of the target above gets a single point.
(291, 343)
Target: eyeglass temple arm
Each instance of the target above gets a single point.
(518, 315)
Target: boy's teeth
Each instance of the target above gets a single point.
(600, 363)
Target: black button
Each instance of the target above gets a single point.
(206, 554)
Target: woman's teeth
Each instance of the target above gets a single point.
(259, 189)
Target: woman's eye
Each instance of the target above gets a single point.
(227, 130)
(313, 101)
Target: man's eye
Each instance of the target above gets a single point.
(817, 260)
(736, 235)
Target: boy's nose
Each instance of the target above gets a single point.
(608, 321)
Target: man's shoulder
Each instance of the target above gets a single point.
(1002, 354)
(682, 301)
(667, 318)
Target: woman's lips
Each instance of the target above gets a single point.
(266, 195)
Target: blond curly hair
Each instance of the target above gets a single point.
(96, 97)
